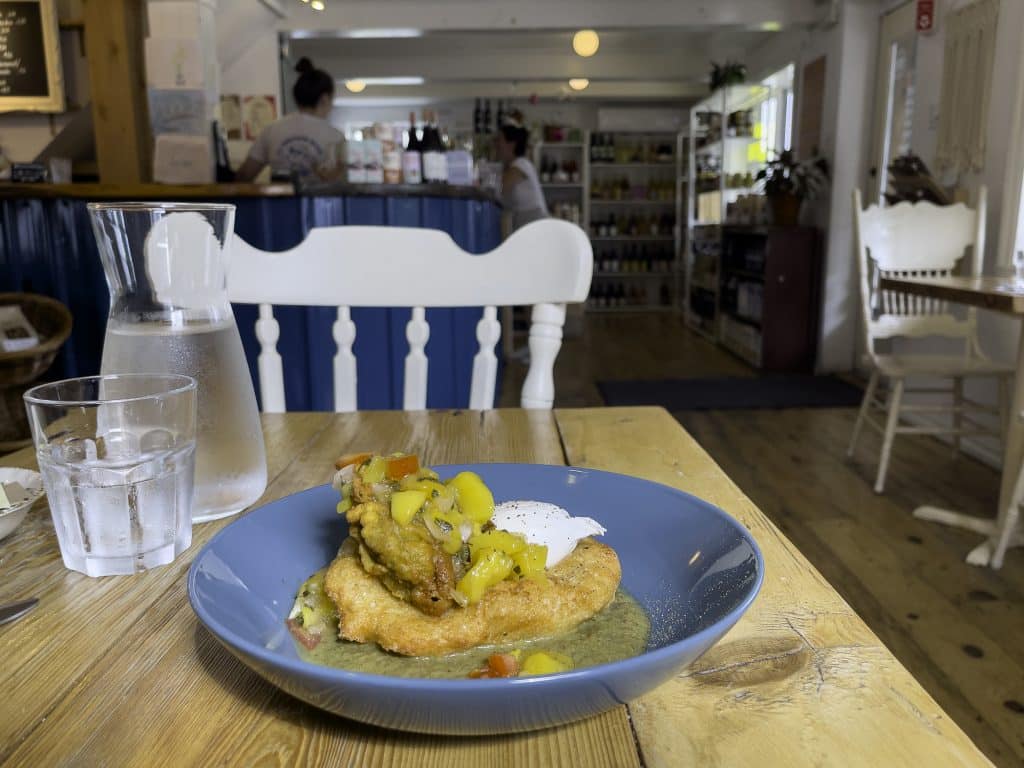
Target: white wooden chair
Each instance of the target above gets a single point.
(923, 240)
(544, 264)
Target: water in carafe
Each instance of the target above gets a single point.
(166, 267)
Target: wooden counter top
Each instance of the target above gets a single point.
(216, 191)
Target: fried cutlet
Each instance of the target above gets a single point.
(577, 588)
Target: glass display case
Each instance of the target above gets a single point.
(734, 132)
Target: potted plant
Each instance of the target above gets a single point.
(787, 182)
(724, 75)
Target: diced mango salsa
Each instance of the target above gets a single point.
(373, 472)
(545, 663)
(475, 499)
(531, 561)
(509, 543)
(344, 505)
(492, 567)
(405, 505)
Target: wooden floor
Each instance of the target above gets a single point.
(957, 628)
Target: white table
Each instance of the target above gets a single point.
(1001, 295)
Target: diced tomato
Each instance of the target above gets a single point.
(351, 458)
(398, 467)
(304, 636)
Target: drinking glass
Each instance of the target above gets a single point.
(117, 455)
(167, 266)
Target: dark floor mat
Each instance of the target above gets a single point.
(734, 393)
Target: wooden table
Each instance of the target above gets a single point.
(1001, 295)
(118, 671)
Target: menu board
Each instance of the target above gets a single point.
(30, 66)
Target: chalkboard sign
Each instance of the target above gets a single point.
(30, 67)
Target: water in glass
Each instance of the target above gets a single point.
(121, 503)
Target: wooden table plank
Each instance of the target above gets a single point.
(182, 694)
(1001, 294)
(800, 680)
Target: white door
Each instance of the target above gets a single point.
(894, 95)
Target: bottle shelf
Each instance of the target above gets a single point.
(630, 308)
(632, 238)
(667, 164)
(601, 201)
(629, 275)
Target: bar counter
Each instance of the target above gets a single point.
(47, 247)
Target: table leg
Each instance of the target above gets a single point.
(1002, 532)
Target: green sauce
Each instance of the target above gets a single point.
(618, 632)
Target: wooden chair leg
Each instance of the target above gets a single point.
(865, 406)
(1003, 535)
(958, 416)
(890, 432)
(1004, 407)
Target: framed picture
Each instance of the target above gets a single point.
(31, 77)
(257, 113)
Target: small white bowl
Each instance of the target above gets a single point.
(31, 482)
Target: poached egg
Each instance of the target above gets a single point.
(548, 524)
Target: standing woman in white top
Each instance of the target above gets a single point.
(301, 144)
(521, 195)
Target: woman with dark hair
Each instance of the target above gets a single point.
(521, 195)
(302, 143)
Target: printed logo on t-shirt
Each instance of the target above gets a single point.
(299, 154)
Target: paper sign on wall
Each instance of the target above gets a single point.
(925, 15)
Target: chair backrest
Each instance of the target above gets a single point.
(545, 264)
(916, 240)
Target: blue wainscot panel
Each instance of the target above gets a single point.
(47, 247)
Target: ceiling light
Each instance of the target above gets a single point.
(383, 33)
(770, 26)
(356, 86)
(390, 80)
(579, 83)
(317, 5)
(585, 42)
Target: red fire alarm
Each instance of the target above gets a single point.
(925, 15)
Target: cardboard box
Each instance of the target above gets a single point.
(373, 161)
(179, 159)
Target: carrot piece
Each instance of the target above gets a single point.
(503, 665)
(304, 636)
(399, 466)
(351, 458)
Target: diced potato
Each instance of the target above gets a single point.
(374, 471)
(475, 499)
(544, 663)
(532, 560)
(405, 505)
(509, 543)
(493, 566)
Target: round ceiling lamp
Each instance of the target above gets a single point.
(585, 42)
(317, 5)
(356, 86)
(578, 83)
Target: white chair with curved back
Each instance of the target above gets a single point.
(545, 264)
(921, 240)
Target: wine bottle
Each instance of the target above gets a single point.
(487, 116)
(412, 159)
(477, 118)
(435, 166)
(501, 114)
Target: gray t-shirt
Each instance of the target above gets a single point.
(297, 143)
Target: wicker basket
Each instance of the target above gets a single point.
(19, 370)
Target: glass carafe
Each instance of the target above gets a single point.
(166, 265)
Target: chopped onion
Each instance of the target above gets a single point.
(460, 598)
(444, 503)
(465, 531)
(433, 527)
(342, 476)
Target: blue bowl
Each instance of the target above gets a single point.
(693, 568)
